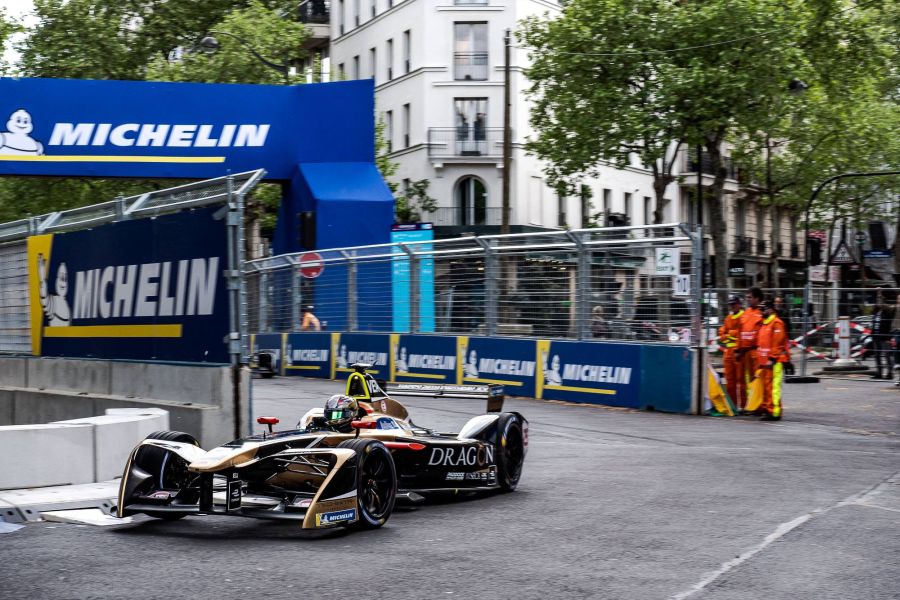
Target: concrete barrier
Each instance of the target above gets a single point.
(199, 398)
(74, 451)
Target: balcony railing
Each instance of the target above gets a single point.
(470, 66)
(471, 215)
(761, 247)
(470, 2)
(316, 12)
(463, 141)
(706, 164)
(743, 244)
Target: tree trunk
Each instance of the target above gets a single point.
(897, 251)
(718, 227)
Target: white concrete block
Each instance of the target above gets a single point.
(84, 516)
(50, 454)
(116, 435)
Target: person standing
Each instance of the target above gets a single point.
(750, 322)
(310, 322)
(784, 314)
(882, 318)
(771, 356)
(729, 333)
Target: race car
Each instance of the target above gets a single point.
(345, 465)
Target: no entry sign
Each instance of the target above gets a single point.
(311, 265)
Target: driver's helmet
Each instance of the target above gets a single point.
(340, 410)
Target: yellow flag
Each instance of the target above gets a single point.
(756, 393)
(717, 395)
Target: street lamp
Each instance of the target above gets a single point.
(210, 44)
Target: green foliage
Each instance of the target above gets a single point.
(386, 166)
(414, 202)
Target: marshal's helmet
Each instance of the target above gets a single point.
(340, 410)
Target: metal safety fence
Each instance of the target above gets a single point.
(620, 283)
(15, 298)
(812, 318)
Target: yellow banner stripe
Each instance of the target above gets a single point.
(570, 388)
(305, 367)
(500, 381)
(129, 159)
(421, 375)
(114, 331)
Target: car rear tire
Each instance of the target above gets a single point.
(168, 470)
(376, 481)
(510, 450)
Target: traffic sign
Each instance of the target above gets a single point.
(842, 255)
(667, 261)
(681, 286)
(311, 265)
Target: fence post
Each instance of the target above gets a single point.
(583, 283)
(263, 301)
(807, 291)
(295, 298)
(352, 323)
(413, 288)
(491, 277)
(697, 317)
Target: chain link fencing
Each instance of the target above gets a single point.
(582, 284)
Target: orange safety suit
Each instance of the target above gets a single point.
(750, 323)
(771, 354)
(729, 333)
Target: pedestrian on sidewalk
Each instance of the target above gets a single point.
(729, 333)
(882, 317)
(771, 354)
(310, 322)
(750, 322)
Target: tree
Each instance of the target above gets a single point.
(610, 72)
(414, 201)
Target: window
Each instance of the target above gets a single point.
(356, 12)
(389, 59)
(760, 222)
(356, 67)
(470, 55)
(374, 9)
(407, 50)
(740, 218)
(342, 73)
(389, 130)
(585, 196)
(627, 208)
(607, 201)
(648, 211)
(340, 17)
(471, 119)
(406, 111)
(407, 183)
(374, 64)
(471, 201)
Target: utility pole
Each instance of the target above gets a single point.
(507, 131)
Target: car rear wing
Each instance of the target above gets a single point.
(493, 393)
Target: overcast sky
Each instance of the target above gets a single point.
(16, 9)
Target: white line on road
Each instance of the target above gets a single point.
(779, 533)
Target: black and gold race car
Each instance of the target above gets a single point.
(344, 465)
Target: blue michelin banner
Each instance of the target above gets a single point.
(510, 362)
(147, 289)
(598, 373)
(400, 276)
(190, 130)
(423, 359)
(371, 349)
(308, 354)
(271, 343)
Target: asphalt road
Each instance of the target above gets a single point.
(612, 504)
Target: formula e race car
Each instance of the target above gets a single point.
(344, 465)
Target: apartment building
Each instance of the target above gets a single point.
(438, 67)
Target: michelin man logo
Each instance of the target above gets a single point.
(551, 374)
(16, 138)
(471, 368)
(56, 307)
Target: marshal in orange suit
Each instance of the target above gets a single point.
(729, 333)
(772, 353)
